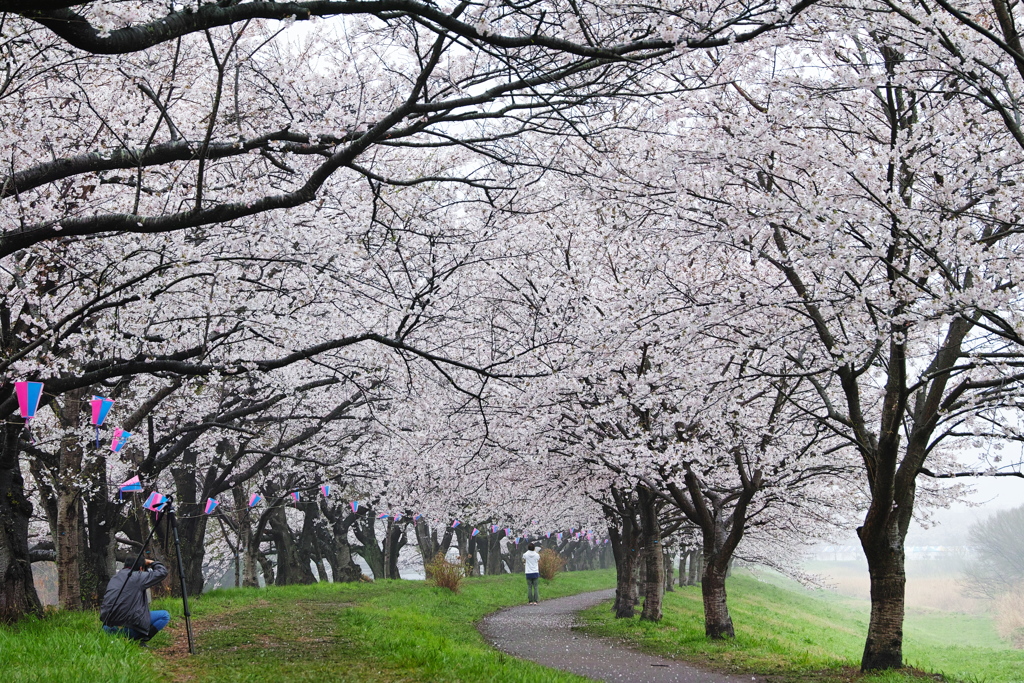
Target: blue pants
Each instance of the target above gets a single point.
(159, 619)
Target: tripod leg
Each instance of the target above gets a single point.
(181, 577)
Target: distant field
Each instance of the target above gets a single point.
(931, 584)
(800, 635)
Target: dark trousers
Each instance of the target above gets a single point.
(531, 587)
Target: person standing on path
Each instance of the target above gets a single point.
(125, 610)
(531, 558)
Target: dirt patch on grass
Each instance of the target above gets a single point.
(221, 621)
(313, 635)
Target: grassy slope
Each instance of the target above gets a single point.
(69, 646)
(784, 630)
(407, 631)
(387, 631)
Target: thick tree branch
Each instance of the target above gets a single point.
(76, 29)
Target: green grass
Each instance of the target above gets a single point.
(786, 631)
(386, 631)
(408, 631)
(69, 646)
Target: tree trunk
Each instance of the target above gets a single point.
(603, 556)
(45, 468)
(70, 541)
(18, 596)
(472, 566)
(396, 540)
(247, 542)
(883, 648)
(291, 569)
(387, 549)
(624, 547)
(191, 526)
(103, 522)
(483, 546)
(266, 566)
(335, 544)
(514, 557)
(669, 566)
(696, 567)
(462, 538)
(426, 541)
(369, 550)
(654, 561)
(717, 621)
(249, 563)
(307, 547)
(69, 549)
(493, 565)
(343, 567)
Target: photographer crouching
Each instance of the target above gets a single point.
(125, 610)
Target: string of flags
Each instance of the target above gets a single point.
(157, 501)
(29, 395)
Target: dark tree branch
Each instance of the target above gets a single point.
(953, 475)
(76, 29)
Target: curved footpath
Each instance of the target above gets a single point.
(543, 633)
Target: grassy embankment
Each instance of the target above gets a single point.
(387, 631)
(407, 631)
(799, 635)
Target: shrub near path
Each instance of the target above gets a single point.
(797, 635)
(386, 631)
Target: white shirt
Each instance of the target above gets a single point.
(532, 559)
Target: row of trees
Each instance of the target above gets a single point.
(730, 276)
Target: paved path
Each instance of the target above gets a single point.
(543, 633)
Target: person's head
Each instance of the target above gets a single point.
(131, 563)
(530, 547)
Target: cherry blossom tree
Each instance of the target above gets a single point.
(883, 205)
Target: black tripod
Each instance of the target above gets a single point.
(173, 523)
(173, 520)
